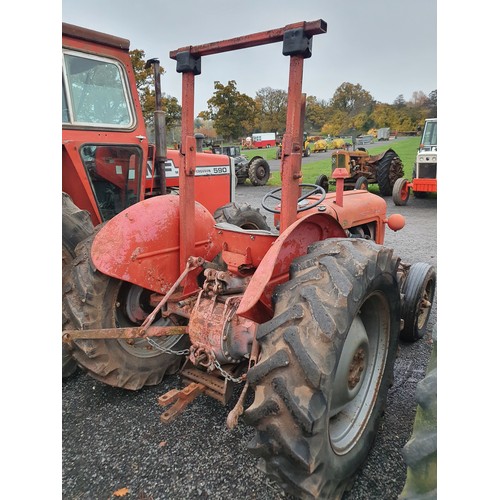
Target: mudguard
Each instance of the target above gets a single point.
(274, 267)
(141, 244)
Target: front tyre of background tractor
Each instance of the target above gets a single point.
(259, 172)
(76, 226)
(243, 216)
(326, 363)
(322, 180)
(93, 300)
(418, 289)
(400, 192)
(361, 183)
(389, 170)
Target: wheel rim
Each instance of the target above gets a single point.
(359, 373)
(405, 192)
(425, 305)
(260, 172)
(132, 308)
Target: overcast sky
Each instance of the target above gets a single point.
(387, 46)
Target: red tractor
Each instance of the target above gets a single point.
(307, 318)
(108, 164)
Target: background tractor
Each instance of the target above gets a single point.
(307, 318)
(363, 169)
(425, 169)
(257, 169)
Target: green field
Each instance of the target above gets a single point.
(406, 150)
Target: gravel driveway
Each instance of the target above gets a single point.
(113, 439)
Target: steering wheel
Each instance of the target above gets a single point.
(276, 195)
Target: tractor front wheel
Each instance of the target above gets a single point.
(322, 180)
(93, 300)
(361, 183)
(418, 289)
(325, 367)
(400, 192)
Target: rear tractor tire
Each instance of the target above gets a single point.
(259, 172)
(418, 289)
(76, 226)
(93, 300)
(389, 170)
(325, 367)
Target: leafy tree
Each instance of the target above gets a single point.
(352, 99)
(337, 122)
(233, 113)
(419, 99)
(271, 110)
(145, 86)
(400, 102)
(317, 113)
(384, 114)
(432, 104)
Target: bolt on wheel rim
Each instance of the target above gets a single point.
(359, 373)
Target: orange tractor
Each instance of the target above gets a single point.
(363, 169)
(108, 164)
(307, 318)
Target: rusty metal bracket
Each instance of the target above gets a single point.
(123, 333)
(178, 400)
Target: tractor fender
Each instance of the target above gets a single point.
(255, 158)
(376, 158)
(141, 244)
(274, 267)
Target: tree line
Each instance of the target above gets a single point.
(231, 114)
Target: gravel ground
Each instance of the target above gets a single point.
(113, 439)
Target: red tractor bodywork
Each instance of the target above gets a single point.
(141, 247)
(107, 162)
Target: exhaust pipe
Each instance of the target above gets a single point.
(160, 126)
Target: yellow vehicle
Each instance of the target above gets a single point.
(337, 143)
(319, 145)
